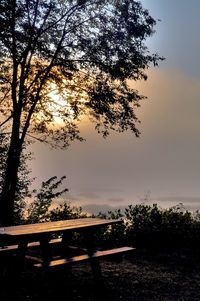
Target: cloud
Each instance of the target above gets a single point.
(189, 203)
(164, 160)
(88, 195)
(116, 200)
(95, 209)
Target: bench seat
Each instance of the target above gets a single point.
(31, 244)
(85, 257)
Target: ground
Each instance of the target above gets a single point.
(142, 276)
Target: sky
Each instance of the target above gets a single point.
(163, 165)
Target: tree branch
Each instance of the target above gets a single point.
(5, 121)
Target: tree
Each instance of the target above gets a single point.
(38, 211)
(23, 178)
(60, 59)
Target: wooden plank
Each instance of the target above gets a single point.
(34, 259)
(8, 248)
(86, 257)
(30, 245)
(50, 227)
(36, 244)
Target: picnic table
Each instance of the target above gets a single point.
(45, 237)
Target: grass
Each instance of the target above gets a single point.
(143, 276)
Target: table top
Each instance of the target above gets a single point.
(56, 226)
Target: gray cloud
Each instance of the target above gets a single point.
(116, 200)
(88, 195)
(95, 209)
(164, 160)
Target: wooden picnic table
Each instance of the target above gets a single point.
(42, 235)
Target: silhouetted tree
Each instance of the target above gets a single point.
(38, 211)
(23, 177)
(62, 59)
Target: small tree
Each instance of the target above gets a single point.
(62, 59)
(38, 211)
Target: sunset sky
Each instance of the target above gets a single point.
(164, 163)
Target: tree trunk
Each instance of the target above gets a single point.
(7, 198)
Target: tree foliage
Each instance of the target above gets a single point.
(62, 59)
(49, 203)
(82, 50)
(38, 210)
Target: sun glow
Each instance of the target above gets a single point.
(62, 105)
(59, 109)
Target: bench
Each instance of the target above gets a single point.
(92, 258)
(9, 249)
(104, 254)
(56, 261)
(35, 261)
(111, 254)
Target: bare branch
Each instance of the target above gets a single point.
(6, 120)
(42, 140)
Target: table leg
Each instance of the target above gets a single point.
(66, 251)
(66, 241)
(89, 237)
(46, 252)
(21, 253)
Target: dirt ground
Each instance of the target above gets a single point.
(144, 275)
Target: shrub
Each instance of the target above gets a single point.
(151, 227)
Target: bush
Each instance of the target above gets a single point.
(151, 227)
(142, 225)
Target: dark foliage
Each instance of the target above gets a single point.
(152, 227)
